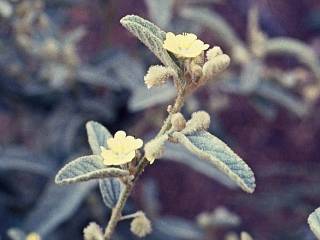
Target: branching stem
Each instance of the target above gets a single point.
(117, 210)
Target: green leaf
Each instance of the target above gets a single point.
(97, 136)
(216, 152)
(151, 35)
(314, 222)
(110, 189)
(87, 168)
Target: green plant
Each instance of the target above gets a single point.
(117, 161)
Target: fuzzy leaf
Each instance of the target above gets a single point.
(56, 205)
(97, 136)
(110, 189)
(216, 152)
(214, 22)
(151, 35)
(314, 222)
(86, 168)
(177, 153)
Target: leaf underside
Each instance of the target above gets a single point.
(151, 35)
(216, 152)
(314, 222)
(97, 136)
(86, 168)
(110, 189)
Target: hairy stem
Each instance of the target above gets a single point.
(117, 210)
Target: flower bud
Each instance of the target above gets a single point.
(154, 148)
(157, 75)
(141, 225)
(214, 52)
(33, 236)
(92, 232)
(199, 121)
(178, 122)
(50, 48)
(215, 66)
(245, 236)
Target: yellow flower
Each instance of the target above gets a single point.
(184, 45)
(33, 236)
(120, 149)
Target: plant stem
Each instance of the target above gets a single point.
(124, 195)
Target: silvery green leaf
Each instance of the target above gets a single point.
(56, 205)
(314, 222)
(16, 234)
(177, 153)
(251, 75)
(177, 228)
(282, 97)
(151, 35)
(86, 168)
(110, 189)
(214, 22)
(143, 98)
(216, 152)
(97, 136)
(150, 198)
(299, 49)
(163, 17)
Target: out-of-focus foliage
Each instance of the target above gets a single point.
(65, 62)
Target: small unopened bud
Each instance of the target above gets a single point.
(178, 122)
(50, 48)
(215, 66)
(70, 55)
(231, 236)
(5, 9)
(157, 75)
(245, 236)
(213, 52)
(33, 236)
(92, 232)
(196, 72)
(311, 93)
(141, 225)
(154, 149)
(199, 121)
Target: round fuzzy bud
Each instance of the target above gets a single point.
(245, 236)
(231, 236)
(33, 236)
(178, 122)
(213, 52)
(199, 121)
(141, 225)
(215, 66)
(157, 75)
(154, 149)
(50, 48)
(92, 232)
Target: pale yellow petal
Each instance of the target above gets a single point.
(109, 157)
(120, 134)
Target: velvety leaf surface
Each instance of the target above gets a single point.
(86, 168)
(216, 152)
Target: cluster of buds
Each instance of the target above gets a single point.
(197, 67)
